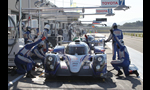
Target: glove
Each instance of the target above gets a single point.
(43, 38)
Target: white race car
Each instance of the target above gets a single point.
(75, 60)
(98, 46)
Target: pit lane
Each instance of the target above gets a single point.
(67, 83)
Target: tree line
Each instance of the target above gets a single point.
(133, 24)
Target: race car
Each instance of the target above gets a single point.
(75, 60)
(98, 46)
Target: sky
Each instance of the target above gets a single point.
(133, 14)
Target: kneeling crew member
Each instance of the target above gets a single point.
(124, 61)
(23, 60)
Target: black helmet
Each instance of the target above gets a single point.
(114, 26)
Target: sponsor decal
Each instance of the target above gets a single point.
(117, 32)
(85, 67)
(110, 3)
(64, 67)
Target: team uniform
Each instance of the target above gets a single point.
(23, 60)
(45, 33)
(124, 60)
(27, 36)
(119, 35)
(38, 51)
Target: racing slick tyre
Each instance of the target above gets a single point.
(49, 76)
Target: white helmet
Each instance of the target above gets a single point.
(47, 26)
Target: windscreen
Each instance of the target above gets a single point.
(77, 50)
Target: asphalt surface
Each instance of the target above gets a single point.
(80, 83)
(131, 41)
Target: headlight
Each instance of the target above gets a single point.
(97, 67)
(100, 59)
(50, 58)
(51, 67)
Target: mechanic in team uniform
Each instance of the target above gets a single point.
(38, 51)
(124, 60)
(27, 35)
(69, 33)
(37, 33)
(45, 33)
(60, 32)
(87, 41)
(118, 33)
(24, 61)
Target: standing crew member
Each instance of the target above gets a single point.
(124, 60)
(37, 33)
(60, 31)
(119, 35)
(27, 35)
(45, 33)
(24, 61)
(69, 33)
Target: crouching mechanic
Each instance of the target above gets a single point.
(124, 61)
(38, 51)
(23, 60)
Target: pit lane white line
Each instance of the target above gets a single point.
(13, 81)
(135, 56)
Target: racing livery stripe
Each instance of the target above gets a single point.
(84, 57)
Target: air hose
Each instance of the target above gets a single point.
(16, 36)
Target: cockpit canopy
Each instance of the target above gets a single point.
(80, 48)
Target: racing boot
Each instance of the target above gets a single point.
(134, 72)
(119, 73)
(29, 75)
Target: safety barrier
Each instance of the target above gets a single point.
(134, 34)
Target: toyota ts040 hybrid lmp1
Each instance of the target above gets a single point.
(75, 60)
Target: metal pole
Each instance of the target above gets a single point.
(20, 15)
(62, 8)
(40, 32)
(29, 6)
(55, 26)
